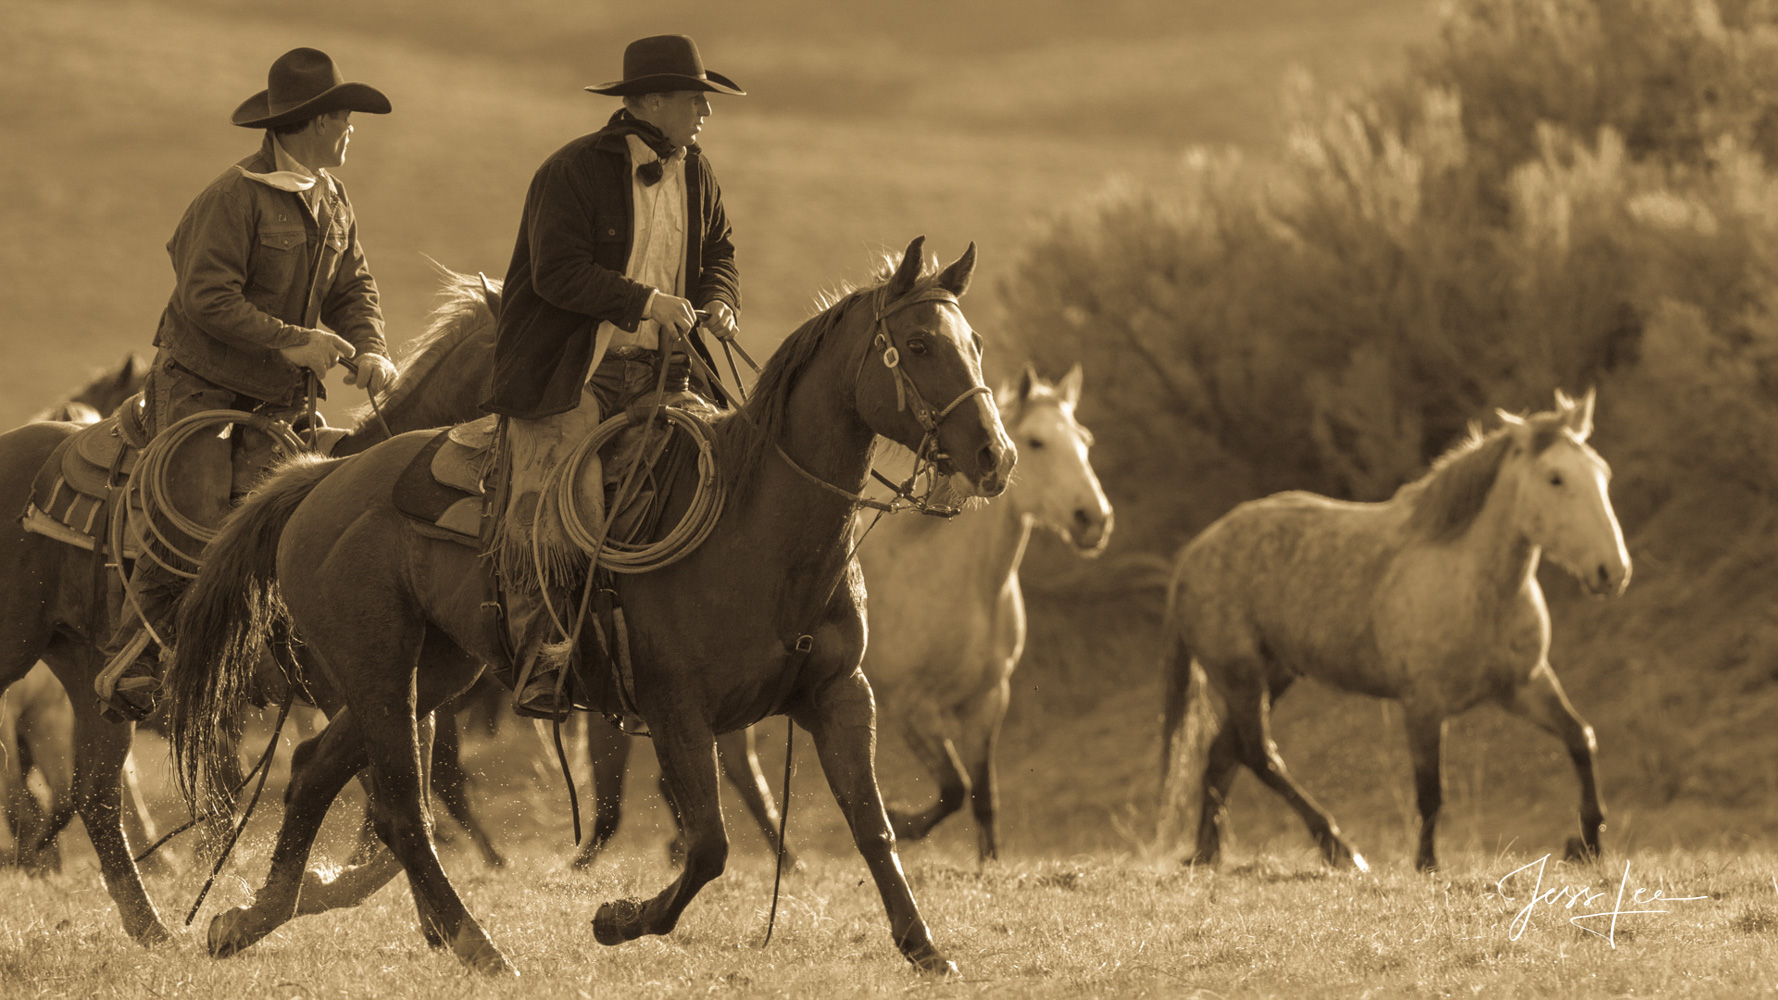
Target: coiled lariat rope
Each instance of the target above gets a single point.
(589, 532)
(143, 512)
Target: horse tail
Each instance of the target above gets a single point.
(224, 619)
(1188, 724)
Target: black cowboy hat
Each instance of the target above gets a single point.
(304, 83)
(664, 63)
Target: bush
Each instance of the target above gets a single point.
(1511, 217)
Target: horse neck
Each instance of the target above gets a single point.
(1505, 558)
(821, 432)
(448, 392)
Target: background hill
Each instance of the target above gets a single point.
(1079, 145)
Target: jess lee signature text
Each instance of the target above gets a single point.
(1571, 896)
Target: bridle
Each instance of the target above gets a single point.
(907, 397)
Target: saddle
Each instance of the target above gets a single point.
(72, 494)
(443, 487)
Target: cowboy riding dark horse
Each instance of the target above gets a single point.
(263, 257)
(623, 249)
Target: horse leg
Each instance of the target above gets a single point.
(450, 782)
(924, 730)
(1250, 712)
(981, 718)
(1219, 776)
(843, 722)
(686, 748)
(609, 752)
(319, 768)
(739, 756)
(1426, 735)
(362, 876)
(1542, 700)
(394, 751)
(99, 751)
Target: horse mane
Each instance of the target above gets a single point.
(748, 434)
(462, 310)
(1447, 500)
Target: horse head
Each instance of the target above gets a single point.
(1057, 487)
(1560, 486)
(919, 379)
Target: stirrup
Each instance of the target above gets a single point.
(128, 699)
(540, 691)
(543, 698)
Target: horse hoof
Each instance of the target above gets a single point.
(473, 949)
(931, 961)
(150, 934)
(226, 937)
(618, 921)
(1579, 850)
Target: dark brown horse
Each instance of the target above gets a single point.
(764, 618)
(47, 609)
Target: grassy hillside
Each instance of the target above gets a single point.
(865, 127)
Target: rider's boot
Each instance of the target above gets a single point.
(540, 688)
(129, 686)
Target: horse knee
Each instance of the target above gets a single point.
(706, 858)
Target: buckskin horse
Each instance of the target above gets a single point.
(765, 617)
(47, 598)
(1430, 598)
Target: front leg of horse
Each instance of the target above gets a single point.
(608, 750)
(1542, 700)
(924, 729)
(687, 751)
(842, 721)
(1426, 733)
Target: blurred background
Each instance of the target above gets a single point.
(1294, 243)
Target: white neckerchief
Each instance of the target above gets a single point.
(657, 248)
(290, 175)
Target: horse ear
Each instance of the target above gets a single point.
(1580, 415)
(1027, 381)
(908, 271)
(132, 371)
(1069, 387)
(955, 278)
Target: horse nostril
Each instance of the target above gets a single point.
(1082, 518)
(988, 459)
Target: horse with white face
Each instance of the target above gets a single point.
(1430, 598)
(947, 617)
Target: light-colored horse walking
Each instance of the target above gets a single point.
(947, 615)
(1430, 598)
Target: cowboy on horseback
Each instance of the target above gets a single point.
(263, 256)
(623, 243)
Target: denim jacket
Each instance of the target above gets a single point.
(254, 271)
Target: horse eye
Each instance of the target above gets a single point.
(1555, 479)
(917, 345)
(1035, 443)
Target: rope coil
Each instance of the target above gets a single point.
(589, 532)
(144, 503)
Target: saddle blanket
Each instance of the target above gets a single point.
(443, 485)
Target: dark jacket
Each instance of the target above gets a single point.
(246, 282)
(567, 270)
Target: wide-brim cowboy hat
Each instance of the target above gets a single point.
(304, 83)
(661, 63)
